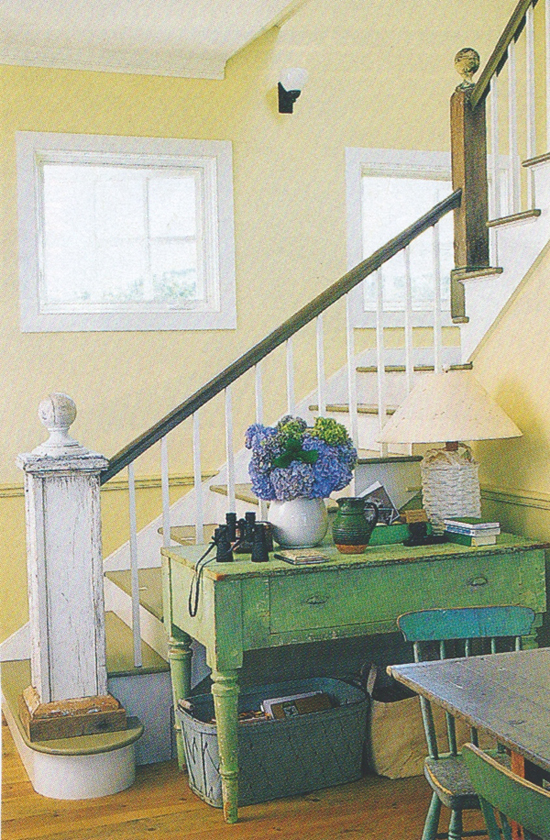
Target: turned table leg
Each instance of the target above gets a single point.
(179, 656)
(225, 690)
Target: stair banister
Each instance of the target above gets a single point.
(497, 59)
(469, 146)
(280, 335)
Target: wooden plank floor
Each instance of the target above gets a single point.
(160, 805)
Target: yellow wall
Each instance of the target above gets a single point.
(380, 75)
(514, 366)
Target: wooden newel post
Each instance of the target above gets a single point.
(469, 172)
(65, 575)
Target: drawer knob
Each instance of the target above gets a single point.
(316, 600)
(478, 581)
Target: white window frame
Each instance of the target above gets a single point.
(388, 162)
(212, 157)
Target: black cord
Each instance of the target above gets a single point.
(193, 603)
(202, 563)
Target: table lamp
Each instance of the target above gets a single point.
(447, 408)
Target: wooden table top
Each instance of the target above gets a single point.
(376, 555)
(506, 694)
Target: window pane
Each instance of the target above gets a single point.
(119, 204)
(119, 234)
(67, 236)
(172, 206)
(121, 272)
(174, 271)
(390, 204)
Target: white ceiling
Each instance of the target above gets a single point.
(192, 38)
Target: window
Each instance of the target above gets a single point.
(386, 192)
(125, 233)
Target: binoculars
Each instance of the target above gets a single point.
(243, 536)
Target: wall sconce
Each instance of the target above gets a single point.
(291, 83)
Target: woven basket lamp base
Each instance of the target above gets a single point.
(450, 485)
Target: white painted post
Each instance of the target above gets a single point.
(65, 568)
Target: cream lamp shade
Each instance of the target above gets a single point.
(447, 408)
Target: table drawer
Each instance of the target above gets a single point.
(373, 594)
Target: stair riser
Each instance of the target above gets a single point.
(149, 697)
(518, 245)
(401, 479)
(395, 383)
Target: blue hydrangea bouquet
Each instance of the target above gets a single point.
(293, 460)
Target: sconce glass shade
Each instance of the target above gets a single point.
(293, 79)
(449, 407)
(290, 86)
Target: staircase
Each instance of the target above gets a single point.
(362, 392)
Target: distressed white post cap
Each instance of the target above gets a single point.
(57, 412)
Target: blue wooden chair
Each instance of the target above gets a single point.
(444, 769)
(510, 797)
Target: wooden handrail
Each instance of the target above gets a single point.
(306, 314)
(498, 57)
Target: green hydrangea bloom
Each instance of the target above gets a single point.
(333, 433)
(290, 428)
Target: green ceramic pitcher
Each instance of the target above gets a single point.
(353, 524)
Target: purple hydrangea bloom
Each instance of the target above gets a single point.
(256, 433)
(293, 481)
(262, 486)
(332, 469)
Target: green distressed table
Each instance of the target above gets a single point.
(248, 606)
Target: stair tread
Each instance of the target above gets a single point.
(473, 273)
(120, 650)
(367, 456)
(416, 368)
(243, 492)
(150, 589)
(16, 676)
(185, 534)
(362, 408)
(524, 216)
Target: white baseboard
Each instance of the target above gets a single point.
(17, 646)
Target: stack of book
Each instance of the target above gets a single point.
(471, 531)
(281, 708)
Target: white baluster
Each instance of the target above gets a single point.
(258, 393)
(260, 419)
(290, 377)
(409, 363)
(437, 300)
(495, 210)
(494, 185)
(165, 485)
(515, 167)
(547, 50)
(230, 455)
(136, 628)
(530, 80)
(197, 478)
(380, 356)
(352, 377)
(321, 396)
